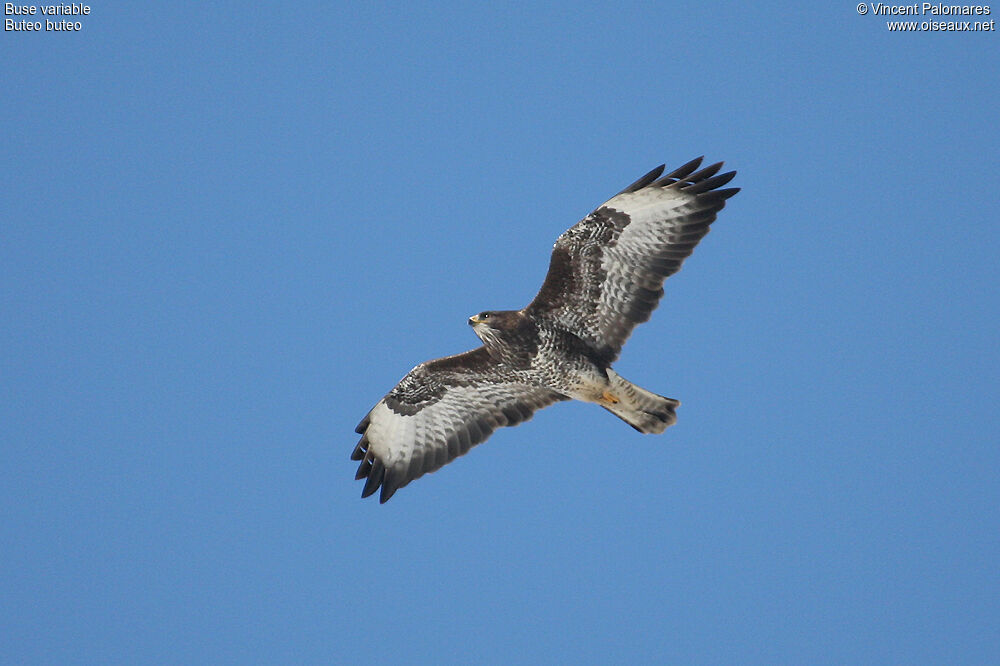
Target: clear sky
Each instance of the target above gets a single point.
(228, 228)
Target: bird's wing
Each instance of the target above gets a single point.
(607, 271)
(438, 412)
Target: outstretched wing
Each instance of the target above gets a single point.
(438, 412)
(607, 271)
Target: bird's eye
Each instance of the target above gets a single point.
(484, 315)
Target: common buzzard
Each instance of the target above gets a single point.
(605, 277)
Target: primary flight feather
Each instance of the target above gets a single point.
(605, 277)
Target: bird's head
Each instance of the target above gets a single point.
(494, 323)
(483, 318)
(509, 335)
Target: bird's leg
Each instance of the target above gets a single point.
(609, 397)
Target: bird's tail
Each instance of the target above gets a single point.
(645, 411)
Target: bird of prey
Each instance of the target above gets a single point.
(605, 276)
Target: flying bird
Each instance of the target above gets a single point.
(605, 277)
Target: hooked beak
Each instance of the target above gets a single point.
(474, 319)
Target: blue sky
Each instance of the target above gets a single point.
(228, 229)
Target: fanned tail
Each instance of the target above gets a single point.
(644, 410)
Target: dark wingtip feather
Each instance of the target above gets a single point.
(390, 484)
(363, 425)
(645, 180)
(375, 476)
(684, 174)
(361, 449)
(726, 193)
(364, 468)
(710, 183)
(685, 170)
(707, 172)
